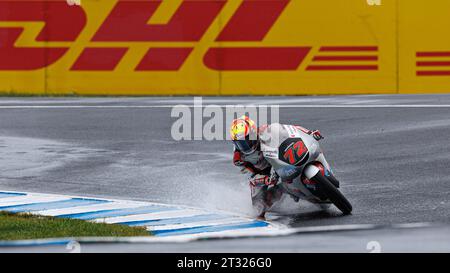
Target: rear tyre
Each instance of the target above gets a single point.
(335, 196)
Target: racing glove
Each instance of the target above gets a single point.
(317, 135)
(262, 180)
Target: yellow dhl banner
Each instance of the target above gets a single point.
(224, 47)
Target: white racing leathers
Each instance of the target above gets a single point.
(269, 163)
(263, 194)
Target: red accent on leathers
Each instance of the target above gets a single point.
(238, 162)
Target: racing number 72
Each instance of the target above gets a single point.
(295, 153)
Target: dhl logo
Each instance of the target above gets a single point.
(128, 21)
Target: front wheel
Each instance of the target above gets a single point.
(330, 191)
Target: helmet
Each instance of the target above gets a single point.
(244, 134)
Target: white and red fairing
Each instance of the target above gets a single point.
(295, 155)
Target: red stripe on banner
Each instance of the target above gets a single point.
(349, 48)
(345, 58)
(99, 59)
(341, 67)
(53, 17)
(128, 22)
(256, 58)
(433, 63)
(253, 20)
(164, 59)
(16, 58)
(433, 73)
(433, 54)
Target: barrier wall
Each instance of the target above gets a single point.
(224, 47)
(424, 46)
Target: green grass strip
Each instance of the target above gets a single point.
(27, 226)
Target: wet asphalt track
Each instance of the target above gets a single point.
(393, 161)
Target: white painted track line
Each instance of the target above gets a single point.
(151, 216)
(194, 106)
(197, 224)
(26, 200)
(88, 208)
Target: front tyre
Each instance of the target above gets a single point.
(330, 191)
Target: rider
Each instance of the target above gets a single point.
(249, 158)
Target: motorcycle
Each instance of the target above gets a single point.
(300, 167)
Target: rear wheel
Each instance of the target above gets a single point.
(330, 191)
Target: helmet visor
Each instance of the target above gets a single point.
(245, 146)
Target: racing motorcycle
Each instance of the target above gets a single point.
(300, 168)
